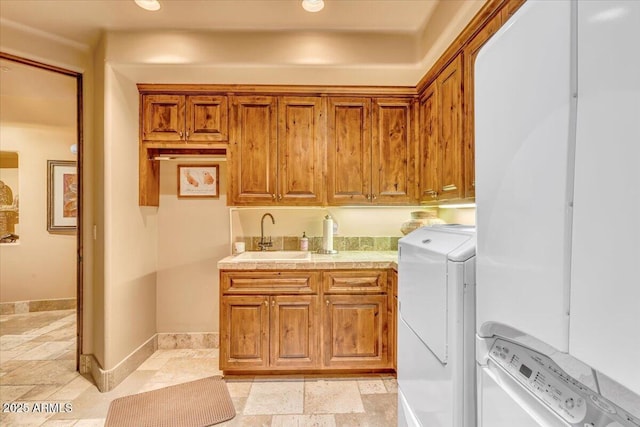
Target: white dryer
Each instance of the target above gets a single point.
(436, 324)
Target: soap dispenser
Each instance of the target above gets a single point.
(304, 242)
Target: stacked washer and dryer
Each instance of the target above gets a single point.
(556, 288)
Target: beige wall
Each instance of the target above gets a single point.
(130, 231)
(27, 269)
(193, 236)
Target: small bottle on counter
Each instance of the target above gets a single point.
(304, 242)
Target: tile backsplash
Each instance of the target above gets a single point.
(340, 243)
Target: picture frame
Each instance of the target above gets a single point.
(199, 181)
(62, 195)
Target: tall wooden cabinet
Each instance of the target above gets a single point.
(371, 151)
(277, 151)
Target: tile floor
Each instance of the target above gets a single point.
(37, 366)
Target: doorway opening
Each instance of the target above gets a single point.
(38, 96)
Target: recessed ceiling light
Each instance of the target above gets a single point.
(148, 4)
(313, 5)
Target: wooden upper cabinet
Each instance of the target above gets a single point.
(253, 150)
(171, 118)
(207, 119)
(441, 160)
(428, 164)
(450, 104)
(163, 117)
(277, 151)
(393, 162)
(349, 151)
(470, 53)
(371, 151)
(300, 151)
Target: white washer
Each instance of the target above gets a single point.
(436, 327)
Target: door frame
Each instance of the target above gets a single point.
(80, 168)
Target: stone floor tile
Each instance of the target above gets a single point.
(371, 386)
(46, 351)
(45, 372)
(9, 393)
(248, 421)
(303, 421)
(275, 397)
(332, 396)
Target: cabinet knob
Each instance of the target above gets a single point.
(279, 196)
(327, 301)
(273, 303)
(180, 134)
(375, 197)
(187, 135)
(273, 197)
(266, 302)
(368, 196)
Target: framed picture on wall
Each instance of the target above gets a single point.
(62, 195)
(199, 180)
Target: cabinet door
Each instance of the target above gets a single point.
(253, 152)
(428, 157)
(207, 119)
(300, 151)
(163, 117)
(244, 330)
(294, 336)
(449, 93)
(393, 163)
(349, 151)
(470, 54)
(355, 331)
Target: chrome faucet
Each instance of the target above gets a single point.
(263, 243)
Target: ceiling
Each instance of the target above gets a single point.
(82, 21)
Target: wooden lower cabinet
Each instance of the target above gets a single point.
(294, 335)
(244, 332)
(283, 321)
(355, 331)
(275, 332)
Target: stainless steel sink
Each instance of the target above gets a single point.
(273, 256)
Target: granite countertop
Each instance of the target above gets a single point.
(341, 260)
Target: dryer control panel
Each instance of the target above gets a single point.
(568, 398)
